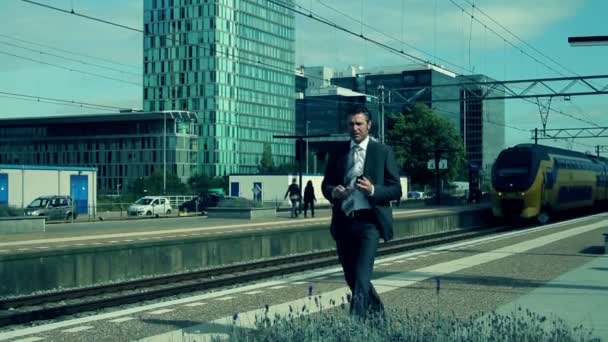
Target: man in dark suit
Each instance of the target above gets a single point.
(361, 179)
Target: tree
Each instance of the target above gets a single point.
(201, 183)
(266, 163)
(153, 185)
(416, 136)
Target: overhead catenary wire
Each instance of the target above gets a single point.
(81, 15)
(69, 69)
(473, 18)
(63, 101)
(520, 39)
(71, 59)
(391, 37)
(74, 104)
(396, 51)
(105, 60)
(316, 18)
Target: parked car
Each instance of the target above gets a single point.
(57, 207)
(415, 195)
(150, 206)
(201, 203)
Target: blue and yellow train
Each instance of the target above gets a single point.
(536, 181)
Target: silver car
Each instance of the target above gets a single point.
(52, 207)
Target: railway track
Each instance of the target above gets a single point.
(26, 309)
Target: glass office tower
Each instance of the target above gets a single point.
(231, 61)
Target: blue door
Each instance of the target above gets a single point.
(234, 189)
(79, 190)
(3, 189)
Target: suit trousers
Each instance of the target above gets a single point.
(357, 244)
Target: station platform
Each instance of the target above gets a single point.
(107, 252)
(555, 270)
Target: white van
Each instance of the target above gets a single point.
(150, 206)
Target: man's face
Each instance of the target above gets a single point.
(358, 127)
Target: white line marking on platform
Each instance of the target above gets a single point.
(160, 312)
(78, 329)
(195, 304)
(278, 287)
(396, 281)
(253, 292)
(122, 319)
(299, 282)
(42, 247)
(30, 339)
(127, 240)
(300, 277)
(225, 298)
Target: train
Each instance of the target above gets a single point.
(531, 181)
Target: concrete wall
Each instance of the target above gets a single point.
(27, 272)
(11, 225)
(26, 184)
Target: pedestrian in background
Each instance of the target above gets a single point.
(309, 199)
(294, 193)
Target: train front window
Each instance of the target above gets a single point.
(512, 171)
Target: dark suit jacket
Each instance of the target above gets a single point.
(381, 169)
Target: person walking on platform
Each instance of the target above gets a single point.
(309, 199)
(294, 196)
(361, 179)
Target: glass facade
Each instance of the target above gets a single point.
(327, 114)
(233, 62)
(123, 147)
(485, 122)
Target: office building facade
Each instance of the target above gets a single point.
(232, 62)
(322, 111)
(480, 122)
(123, 147)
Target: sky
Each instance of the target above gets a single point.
(439, 31)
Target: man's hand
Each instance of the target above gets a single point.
(365, 185)
(340, 192)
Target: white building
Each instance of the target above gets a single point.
(21, 184)
(272, 188)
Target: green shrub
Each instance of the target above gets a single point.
(338, 326)
(238, 202)
(6, 211)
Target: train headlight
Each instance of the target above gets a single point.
(499, 194)
(522, 193)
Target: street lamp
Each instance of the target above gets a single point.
(164, 153)
(307, 123)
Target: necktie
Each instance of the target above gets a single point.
(350, 179)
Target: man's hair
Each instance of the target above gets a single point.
(359, 109)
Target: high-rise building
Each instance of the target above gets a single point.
(482, 122)
(233, 63)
